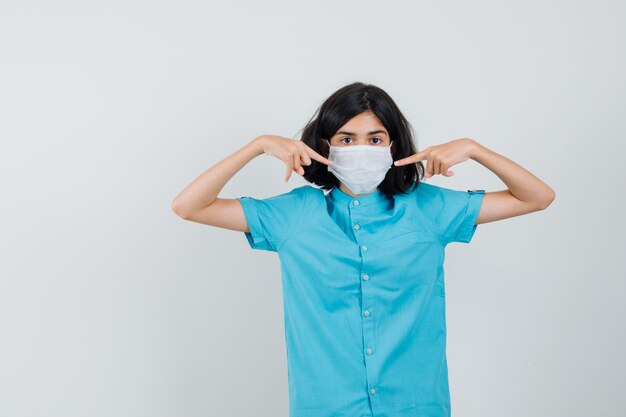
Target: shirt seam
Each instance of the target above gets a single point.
(252, 218)
(297, 225)
(430, 227)
(472, 209)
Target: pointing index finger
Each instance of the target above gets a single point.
(317, 157)
(410, 159)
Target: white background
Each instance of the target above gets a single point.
(111, 305)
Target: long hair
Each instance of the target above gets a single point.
(337, 110)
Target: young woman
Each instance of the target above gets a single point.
(362, 265)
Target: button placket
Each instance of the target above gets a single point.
(367, 299)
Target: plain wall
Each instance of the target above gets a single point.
(111, 305)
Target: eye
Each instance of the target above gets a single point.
(379, 139)
(342, 139)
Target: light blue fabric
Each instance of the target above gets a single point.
(363, 295)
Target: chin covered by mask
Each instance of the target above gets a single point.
(360, 167)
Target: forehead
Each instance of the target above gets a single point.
(363, 122)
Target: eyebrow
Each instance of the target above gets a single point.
(373, 132)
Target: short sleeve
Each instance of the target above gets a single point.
(272, 220)
(451, 213)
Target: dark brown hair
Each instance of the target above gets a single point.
(337, 110)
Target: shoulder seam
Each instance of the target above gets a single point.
(430, 228)
(297, 225)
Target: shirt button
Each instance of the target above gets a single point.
(366, 277)
(364, 247)
(357, 226)
(369, 351)
(372, 391)
(366, 313)
(355, 202)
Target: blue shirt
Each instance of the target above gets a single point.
(363, 295)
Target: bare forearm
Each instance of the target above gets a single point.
(203, 190)
(521, 183)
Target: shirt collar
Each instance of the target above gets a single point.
(376, 197)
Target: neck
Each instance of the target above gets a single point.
(350, 193)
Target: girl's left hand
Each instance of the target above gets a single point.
(439, 158)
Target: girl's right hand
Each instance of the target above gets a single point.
(293, 152)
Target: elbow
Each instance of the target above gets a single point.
(179, 210)
(548, 200)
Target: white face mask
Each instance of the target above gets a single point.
(360, 167)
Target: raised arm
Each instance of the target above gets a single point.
(525, 193)
(199, 202)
